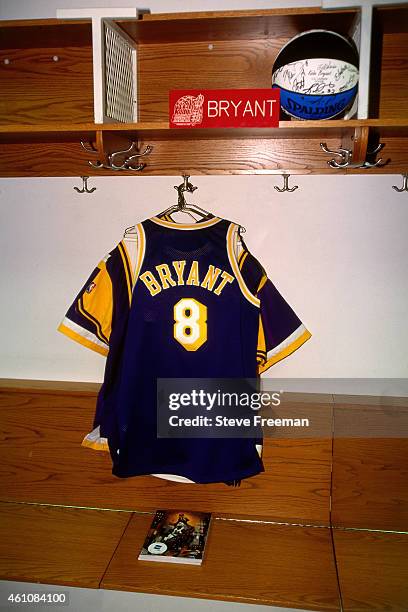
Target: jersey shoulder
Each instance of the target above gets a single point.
(252, 271)
(102, 301)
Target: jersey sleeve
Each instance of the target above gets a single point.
(103, 303)
(281, 332)
(97, 319)
(89, 318)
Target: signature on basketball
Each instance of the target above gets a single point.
(288, 75)
(320, 88)
(340, 72)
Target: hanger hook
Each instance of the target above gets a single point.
(85, 186)
(404, 184)
(285, 185)
(181, 202)
(187, 186)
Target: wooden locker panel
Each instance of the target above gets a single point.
(46, 85)
(372, 569)
(389, 86)
(43, 462)
(57, 545)
(370, 463)
(171, 156)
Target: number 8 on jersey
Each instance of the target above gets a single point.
(190, 327)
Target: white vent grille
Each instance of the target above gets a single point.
(120, 76)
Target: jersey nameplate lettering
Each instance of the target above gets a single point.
(214, 278)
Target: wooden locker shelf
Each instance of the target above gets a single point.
(41, 418)
(47, 104)
(260, 563)
(287, 129)
(64, 546)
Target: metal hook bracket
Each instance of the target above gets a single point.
(404, 184)
(85, 186)
(346, 156)
(127, 162)
(116, 160)
(285, 185)
(89, 149)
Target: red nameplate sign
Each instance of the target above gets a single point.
(224, 108)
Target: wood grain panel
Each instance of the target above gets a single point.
(36, 88)
(392, 18)
(320, 128)
(373, 570)
(228, 64)
(394, 154)
(42, 461)
(45, 33)
(175, 157)
(245, 562)
(393, 102)
(57, 545)
(55, 387)
(357, 143)
(370, 465)
(229, 25)
(172, 157)
(237, 156)
(46, 159)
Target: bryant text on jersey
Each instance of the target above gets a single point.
(213, 278)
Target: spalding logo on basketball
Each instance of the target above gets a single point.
(317, 74)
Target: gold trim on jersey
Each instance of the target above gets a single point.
(97, 446)
(261, 347)
(129, 273)
(95, 441)
(185, 226)
(95, 310)
(94, 321)
(70, 333)
(141, 249)
(242, 258)
(288, 346)
(231, 238)
(262, 283)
